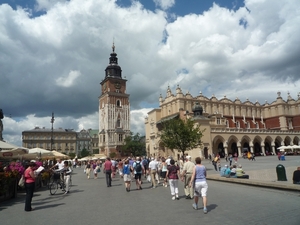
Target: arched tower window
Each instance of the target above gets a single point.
(118, 103)
(118, 123)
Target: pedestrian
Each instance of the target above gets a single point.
(126, 171)
(145, 165)
(107, 168)
(296, 176)
(138, 170)
(253, 157)
(164, 169)
(120, 168)
(186, 176)
(219, 165)
(87, 168)
(67, 176)
(29, 176)
(153, 170)
(235, 158)
(198, 180)
(230, 159)
(215, 161)
(173, 174)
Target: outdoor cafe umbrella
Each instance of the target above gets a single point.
(34, 153)
(6, 146)
(14, 153)
(282, 148)
(57, 154)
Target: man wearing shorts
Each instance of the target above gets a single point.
(138, 170)
(200, 185)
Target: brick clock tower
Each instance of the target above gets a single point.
(114, 109)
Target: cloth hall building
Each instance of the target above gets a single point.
(230, 126)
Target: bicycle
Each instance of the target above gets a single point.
(58, 183)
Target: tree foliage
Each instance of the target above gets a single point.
(72, 155)
(182, 135)
(84, 153)
(134, 144)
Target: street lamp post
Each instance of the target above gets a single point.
(51, 141)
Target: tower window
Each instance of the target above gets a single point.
(120, 137)
(118, 123)
(118, 103)
(237, 124)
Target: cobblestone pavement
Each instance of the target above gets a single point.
(90, 201)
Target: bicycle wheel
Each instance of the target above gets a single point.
(50, 181)
(53, 187)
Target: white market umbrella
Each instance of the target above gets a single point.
(6, 146)
(282, 148)
(57, 154)
(14, 153)
(295, 147)
(34, 153)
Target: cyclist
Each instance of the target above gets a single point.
(67, 175)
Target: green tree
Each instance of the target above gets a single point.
(182, 135)
(134, 144)
(84, 153)
(72, 155)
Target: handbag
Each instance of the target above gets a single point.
(22, 181)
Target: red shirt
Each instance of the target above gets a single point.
(107, 165)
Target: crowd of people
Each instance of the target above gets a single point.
(158, 171)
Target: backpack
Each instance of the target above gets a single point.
(126, 169)
(145, 162)
(138, 167)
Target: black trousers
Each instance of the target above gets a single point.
(108, 177)
(29, 188)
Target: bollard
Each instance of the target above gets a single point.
(281, 175)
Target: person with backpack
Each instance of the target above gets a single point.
(145, 165)
(138, 170)
(127, 175)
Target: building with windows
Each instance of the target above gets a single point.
(114, 109)
(230, 126)
(64, 140)
(83, 141)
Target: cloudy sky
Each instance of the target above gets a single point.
(53, 54)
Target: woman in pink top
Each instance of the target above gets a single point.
(29, 185)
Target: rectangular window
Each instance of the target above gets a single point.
(120, 137)
(103, 137)
(218, 121)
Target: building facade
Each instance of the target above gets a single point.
(83, 141)
(114, 109)
(230, 126)
(63, 140)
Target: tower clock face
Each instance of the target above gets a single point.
(117, 85)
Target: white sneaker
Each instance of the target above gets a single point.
(173, 198)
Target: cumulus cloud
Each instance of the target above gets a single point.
(69, 80)
(46, 4)
(55, 62)
(164, 4)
